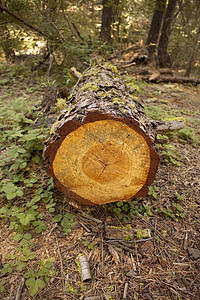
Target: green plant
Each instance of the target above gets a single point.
(128, 210)
(170, 154)
(152, 191)
(2, 285)
(69, 288)
(187, 135)
(18, 264)
(67, 221)
(89, 245)
(37, 280)
(171, 213)
(178, 210)
(180, 197)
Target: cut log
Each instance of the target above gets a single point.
(102, 148)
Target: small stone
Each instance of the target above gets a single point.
(194, 253)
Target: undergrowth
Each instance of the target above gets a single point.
(26, 192)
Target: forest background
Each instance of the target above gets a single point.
(71, 32)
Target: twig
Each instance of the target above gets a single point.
(85, 227)
(158, 233)
(133, 263)
(91, 218)
(50, 65)
(20, 288)
(81, 77)
(125, 290)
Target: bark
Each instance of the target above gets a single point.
(11, 13)
(193, 53)
(102, 148)
(163, 56)
(106, 21)
(156, 23)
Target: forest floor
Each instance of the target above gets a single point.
(152, 254)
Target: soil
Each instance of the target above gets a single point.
(163, 263)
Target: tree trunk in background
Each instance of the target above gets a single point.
(6, 43)
(163, 56)
(106, 21)
(156, 23)
(193, 53)
(102, 148)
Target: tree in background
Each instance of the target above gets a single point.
(155, 27)
(108, 14)
(193, 52)
(163, 56)
(74, 31)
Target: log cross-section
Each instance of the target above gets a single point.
(102, 148)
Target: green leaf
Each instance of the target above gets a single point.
(3, 210)
(23, 165)
(69, 216)
(9, 188)
(13, 225)
(41, 226)
(28, 253)
(25, 219)
(29, 274)
(36, 159)
(57, 218)
(11, 196)
(20, 193)
(34, 285)
(6, 269)
(18, 237)
(52, 209)
(10, 256)
(27, 236)
(2, 286)
(21, 265)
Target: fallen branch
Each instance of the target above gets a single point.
(20, 288)
(171, 79)
(11, 13)
(163, 126)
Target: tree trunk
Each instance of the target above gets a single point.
(163, 56)
(106, 21)
(7, 43)
(102, 147)
(193, 53)
(156, 23)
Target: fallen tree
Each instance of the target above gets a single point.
(171, 79)
(102, 148)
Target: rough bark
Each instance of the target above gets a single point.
(163, 56)
(106, 21)
(102, 148)
(156, 23)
